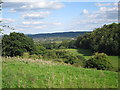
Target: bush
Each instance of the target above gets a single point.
(40, 50)
(50, 54)
(71, 59)
(82, 60)
(34, 56)
(99, 61)
(58, 60)
(75, 60)
(25, 55)
(40, 56)
(61, 55)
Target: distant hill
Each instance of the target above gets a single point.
(61, 34)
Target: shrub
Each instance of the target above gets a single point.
(61, 55)
(71, 59)
(34, 56)
(99, 61)
(50, 54)
(82, 60)
(75, 60)
(58, 60)
(25, 55)
(40, 56)
(40, 50)
(61, 47)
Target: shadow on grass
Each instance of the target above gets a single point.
(85, 52)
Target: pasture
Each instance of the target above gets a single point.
(23, 73)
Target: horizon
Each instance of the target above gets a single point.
(51, 33)
(60, 32)
(55, 17)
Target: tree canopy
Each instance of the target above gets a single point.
(16, 44)
(105, 39)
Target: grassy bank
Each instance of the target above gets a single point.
(23, 73)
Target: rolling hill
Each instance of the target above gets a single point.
(23, 73)
(61, 34)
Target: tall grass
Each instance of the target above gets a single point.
(24, 73)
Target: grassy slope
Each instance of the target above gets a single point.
(87, 54)
(44, 74)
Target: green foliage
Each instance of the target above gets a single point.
(60, 45)
(51, 45)
(50, 54)
(1, 30)
(25, 55)
(50, 40)
(105, 39)
(75, 60)
(65, 44)
(72, 44)
(34, 56)
(16, 44)
(99, 61)
(87, 54)
(66, 57)
(40, 50)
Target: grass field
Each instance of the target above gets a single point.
(21, 73)
(82, 52)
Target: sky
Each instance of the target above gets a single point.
(50, 16)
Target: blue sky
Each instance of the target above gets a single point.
(49, 17)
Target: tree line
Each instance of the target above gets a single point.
(105, 39)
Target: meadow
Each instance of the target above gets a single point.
(24, 73)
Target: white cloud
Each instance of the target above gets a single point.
(36, 15)
(106, 14)
(7, 20)
(91, 24)
(32, 22)
(62, 0)
(12, 4)
(41, 27)
(85, 11)
(103, 4)
(106, 4)
(46, 5)
(12, 10)
(57, 23)
(96, 21)
(103, 9)
(13, 0)
(24, 23)
(23, 6)
(37, 26)
(24, 0)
